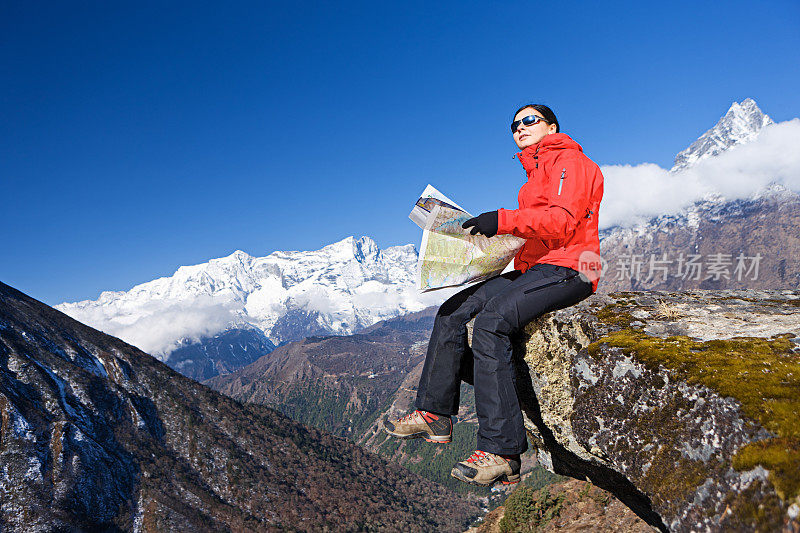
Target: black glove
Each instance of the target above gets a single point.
(485, 223)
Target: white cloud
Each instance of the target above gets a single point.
(384, 303)
(318, 299)
(635, 193)
(157, 325)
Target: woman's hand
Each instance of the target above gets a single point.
(485, 223)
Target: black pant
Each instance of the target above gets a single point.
(502, 306)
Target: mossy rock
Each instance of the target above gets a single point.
(681, 400)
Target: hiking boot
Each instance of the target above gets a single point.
(484, 468)
(433, 428)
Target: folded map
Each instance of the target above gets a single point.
(449, 256)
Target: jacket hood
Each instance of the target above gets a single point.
(553, 141)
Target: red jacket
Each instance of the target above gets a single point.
(558, 206)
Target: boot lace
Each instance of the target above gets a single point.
(424, 415)
(409, 416)
(476, 457)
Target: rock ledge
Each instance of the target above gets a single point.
(684, 405)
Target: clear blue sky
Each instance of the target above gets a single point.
(138, 137)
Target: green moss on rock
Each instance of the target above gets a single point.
(794, 302)
(780, 456)
(762, 374)
(616, 314)
(673, 477)
(754, 509)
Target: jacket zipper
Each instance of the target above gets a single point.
(551, 283)
(561, 181)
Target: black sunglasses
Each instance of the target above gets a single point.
(528, 121)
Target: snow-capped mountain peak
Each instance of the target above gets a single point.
(361, 249)
(741, 124)
(365, 249)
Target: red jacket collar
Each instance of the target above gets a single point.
(555, 141)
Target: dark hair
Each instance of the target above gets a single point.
(546, 112)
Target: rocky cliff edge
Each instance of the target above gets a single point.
(684, 405)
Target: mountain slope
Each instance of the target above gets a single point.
(221, 354)
(339, 383)
(96, 433)
(714, 244)
(347, 385)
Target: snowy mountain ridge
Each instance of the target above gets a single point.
(338, 289)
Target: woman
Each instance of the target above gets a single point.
(555, 268)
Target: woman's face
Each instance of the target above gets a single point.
(529, 135)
